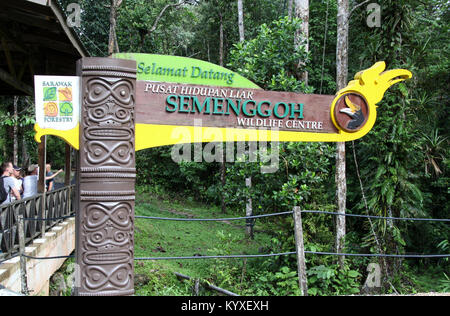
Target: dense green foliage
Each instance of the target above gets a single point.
(408, 147)
(270, 59)
(402, 164)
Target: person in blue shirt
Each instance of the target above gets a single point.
(49, 177)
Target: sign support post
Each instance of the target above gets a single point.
(248, 209)
(300, 248)
(42, 160)
(106, 178)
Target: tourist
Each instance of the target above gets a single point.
(9, 183)
(30, 182)
(49, 175)
(18, 179)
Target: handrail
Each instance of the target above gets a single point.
(58, 204)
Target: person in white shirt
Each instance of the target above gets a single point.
(18, 180)
(30, 182)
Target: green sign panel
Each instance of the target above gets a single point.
(175, 69)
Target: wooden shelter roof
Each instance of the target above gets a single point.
(35, 40)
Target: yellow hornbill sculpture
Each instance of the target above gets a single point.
(369, 86)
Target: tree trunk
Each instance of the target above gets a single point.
(15, 132)
(302, 34)
(241, 20)
(221, 40)
(222, 163)
(112, 27)
(341, 193)
(25, 155)
(113, 45)
(341, 80)
(342, 44)
(290, 8)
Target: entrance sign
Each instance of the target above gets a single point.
(175, 104)
(228, 113)
(143, 101)
(174, 92)
(57, 100)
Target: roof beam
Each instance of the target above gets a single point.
(13, 45)
(28, 19)
(12, 70)
(27, 6)
(19, 85)
(49, 43)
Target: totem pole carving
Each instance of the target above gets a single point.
(106, 178)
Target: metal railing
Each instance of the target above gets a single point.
(58, 203)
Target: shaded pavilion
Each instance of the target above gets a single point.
(35, 39)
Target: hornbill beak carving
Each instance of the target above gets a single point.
(373, 83)
(355, 112)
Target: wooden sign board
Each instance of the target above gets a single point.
(183, 100)
(184, 96)
(180, 104)
(170, 106)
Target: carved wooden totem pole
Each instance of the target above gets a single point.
(106, 178)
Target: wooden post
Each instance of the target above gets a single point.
(249, 210)
(15, 132)
(42, 157)
(67, 167)
(23, 260)
(197, 287)
(67, 177)
(106, 176)
(301, 264)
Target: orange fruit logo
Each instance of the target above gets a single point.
(51, 109)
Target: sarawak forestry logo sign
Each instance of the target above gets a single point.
(58, 106)
(57, 102)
